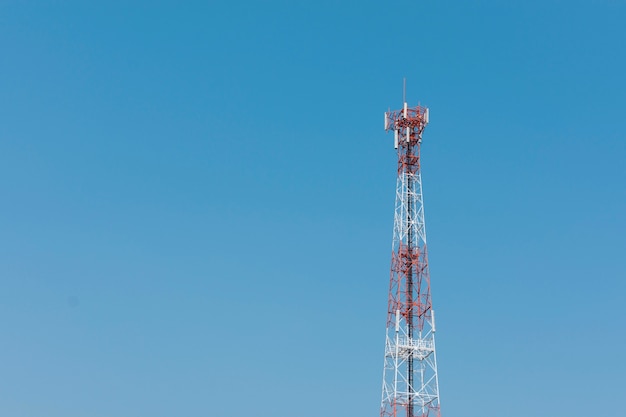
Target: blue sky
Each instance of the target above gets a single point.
(196, 205)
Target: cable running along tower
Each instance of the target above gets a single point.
(410, 382)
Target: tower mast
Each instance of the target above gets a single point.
(410, 382)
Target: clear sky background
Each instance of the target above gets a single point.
(196, 205)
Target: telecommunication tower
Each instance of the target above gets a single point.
(410, 382)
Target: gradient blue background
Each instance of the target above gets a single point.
(196, 205)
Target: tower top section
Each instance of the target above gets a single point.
(407, 124)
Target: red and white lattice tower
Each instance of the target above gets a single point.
(410, 382)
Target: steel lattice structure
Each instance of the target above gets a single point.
(410, 382)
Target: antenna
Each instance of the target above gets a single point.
(404, 90)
